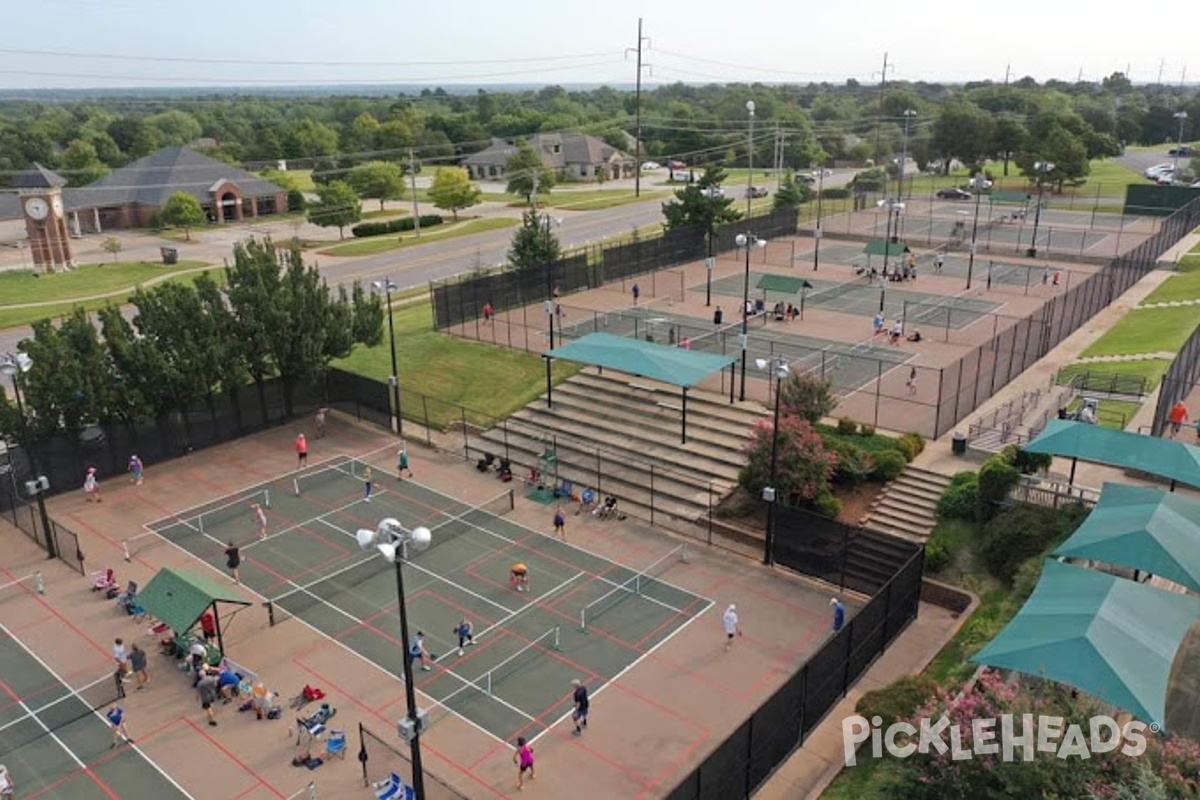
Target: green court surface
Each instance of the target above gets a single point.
(583, 615)
(848, 366)
(1018, 233)
(55, 742)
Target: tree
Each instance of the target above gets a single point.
(82, 164)
(182, 211)
(698, 205)
(533, 245)
(112, 245)
(452, 190)
(337, 207)
(808, 397)
(1008, 138)
(174, 127)
(803, 467)
(377, 180)
(311, 139)
(963, 131)
(790, 195)
(528, 175)
(54, 402)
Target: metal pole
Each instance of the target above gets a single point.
(51, 548)
(412, 173)
(410, 692)
(745, 317)
(1037, 214)
(749, 155)
(769, 544)
(395, 368)
(550, 281)
(974, 233)
(818, 232)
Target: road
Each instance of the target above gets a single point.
(1141, 160)
(437, 260)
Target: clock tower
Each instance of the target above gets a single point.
(40, 192)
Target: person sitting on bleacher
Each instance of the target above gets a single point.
(608, 509)
(586, 500)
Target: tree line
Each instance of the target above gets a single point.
(270, 316)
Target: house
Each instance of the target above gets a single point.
(129, 197)
(574, 156)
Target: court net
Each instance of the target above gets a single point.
(475, 518)
(57, 714)
(633, 587)
(337, 470)
(326, 589)
(23, 586)
(206, 519)
(518, 661)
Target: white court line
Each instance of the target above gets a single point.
(95, 713)
(638, 660)
(319, 518)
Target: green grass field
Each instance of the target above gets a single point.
(1185, 286)
(487, 380)
(1114, 414)
(382, 244)
(1149, 369)
(1150, 330)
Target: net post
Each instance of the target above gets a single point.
(267, 498)
(683, 554)
(512, 502)
(296, 486)
(489, 683)
(200, 522)
(582, 619)
(270, 613)
(557, 640)
(312, 790)
(125, 550)
(38, 583)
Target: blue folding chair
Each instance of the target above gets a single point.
(335, 745)
(390, 789)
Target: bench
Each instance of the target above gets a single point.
(642, 387)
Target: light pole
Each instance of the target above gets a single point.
(908, 114)
(14, 366)
(974, 229)
(547, 222)
(746, 241)
(386, 287)
(818, 233)
(749, 156)
(894, 208)
(1182, 117)
(779, 368)
(1041, 168)
(392, 541)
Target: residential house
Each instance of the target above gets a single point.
(574, 156)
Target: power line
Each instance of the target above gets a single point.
(305, 63)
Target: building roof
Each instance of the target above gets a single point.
(558, 150)
(151, 180)
(179, 597)
(37, 177)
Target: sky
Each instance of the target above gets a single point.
(271, 43)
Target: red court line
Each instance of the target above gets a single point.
(34, 624)
(666, 771)
(686, 610)
(261, 782)
(425, 746)
(63, 619)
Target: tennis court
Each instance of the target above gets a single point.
(54, 740)
(583, 616)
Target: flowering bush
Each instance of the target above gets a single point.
(803, 465)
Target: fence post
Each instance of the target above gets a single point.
(466, 443)
(428, 427)
(710, 512)
(598, 471)
(651, 494)
(878, 388)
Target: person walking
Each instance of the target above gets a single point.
(580, 715)
(91, 487)
(121, 658)
(939, 262)
(417, 651)
(233, 560)
(488, 311)
(116, 722)
(465, 632)
(208, 689)
(718, 316)
(1057, 277)
(260, 519)
(560, 523)
(911, 383)
(137, 664)
(730, 620)
(320, 422)
(402, 461)
(523, 758)
(839, 614)
(877, 324)
(1177, 416)
(136, 468)
(637, 292)
(301, 451)
(366, 478)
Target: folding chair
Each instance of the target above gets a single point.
(104, 581)
(335, 745)
(391, 788)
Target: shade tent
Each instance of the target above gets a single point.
(1080, 441)
(677, 366)
(178, 599)
(1109, 637)
(1144, 528)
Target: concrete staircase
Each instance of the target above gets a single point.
(622, 435)
(906, 507)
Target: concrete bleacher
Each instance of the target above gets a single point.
(621, 435)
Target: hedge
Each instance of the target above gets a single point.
(395, 225)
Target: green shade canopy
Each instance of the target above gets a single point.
(179, 598)
(782, 283)
(879, 247)
(1107, 636)
(1144, 528)
(1019, 198)
(673, 365)
(1163, 457)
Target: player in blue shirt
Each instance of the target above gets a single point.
(116, 721)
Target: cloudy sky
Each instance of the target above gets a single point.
(111, 43)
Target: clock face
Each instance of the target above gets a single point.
(37, 208)
(57, 204)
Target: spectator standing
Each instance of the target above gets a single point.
(137, 663)
(1178, 415)
(402, 461)
(839, 614)
(637, 292)
(730, 620)
(136, 469)
(560, 523)
(120, 657)
(91, 487)
(207, 689)
(319, 420)
(208, 626)
(199, 654)
(301, 451)
(488, 312)
(366, 478)
(116, 722)
(580, 715)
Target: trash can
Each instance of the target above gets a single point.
(958, 445)
(169, 255)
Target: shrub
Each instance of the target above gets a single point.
(996, 479)
(803, 465)
(395, 225)
(1028, 463)
(296, 200)
(808, 397)
(961, 498)
(1027, 576)
(827, 505)
(937, 556)
(1015, 536)
(888, 465)
(866, 430)
(913, 443)
(898, 701)
(847, 426)
(835, 193)
(853, 464)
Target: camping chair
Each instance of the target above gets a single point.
(105, 581)
(335, 745)
(565, 489)
(391, 788)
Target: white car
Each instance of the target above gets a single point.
(984, 183)
(1158, 169)
(649, 165)
(714, 191)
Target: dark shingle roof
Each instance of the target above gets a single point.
(151, 180)
(37, 177)
(573, 148)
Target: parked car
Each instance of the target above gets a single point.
(953, 193)
(713, 191)
(1185, 150)
(984, 183)
(1153, 172)
(805, 179)
(757, 191)
(649, 165)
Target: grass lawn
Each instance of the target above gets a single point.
(1111, 413)
(1149, 369)
(26, 286)
(387, 213)
(1149, 330)
(1177, 287)
(303, 179)
(382, 244)
(489, 381)
(592, 200)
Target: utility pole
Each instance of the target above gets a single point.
(412, 174)
(1007, 72)
(879, 119)
(637, 113)
(1162, 62)
(533, 194)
